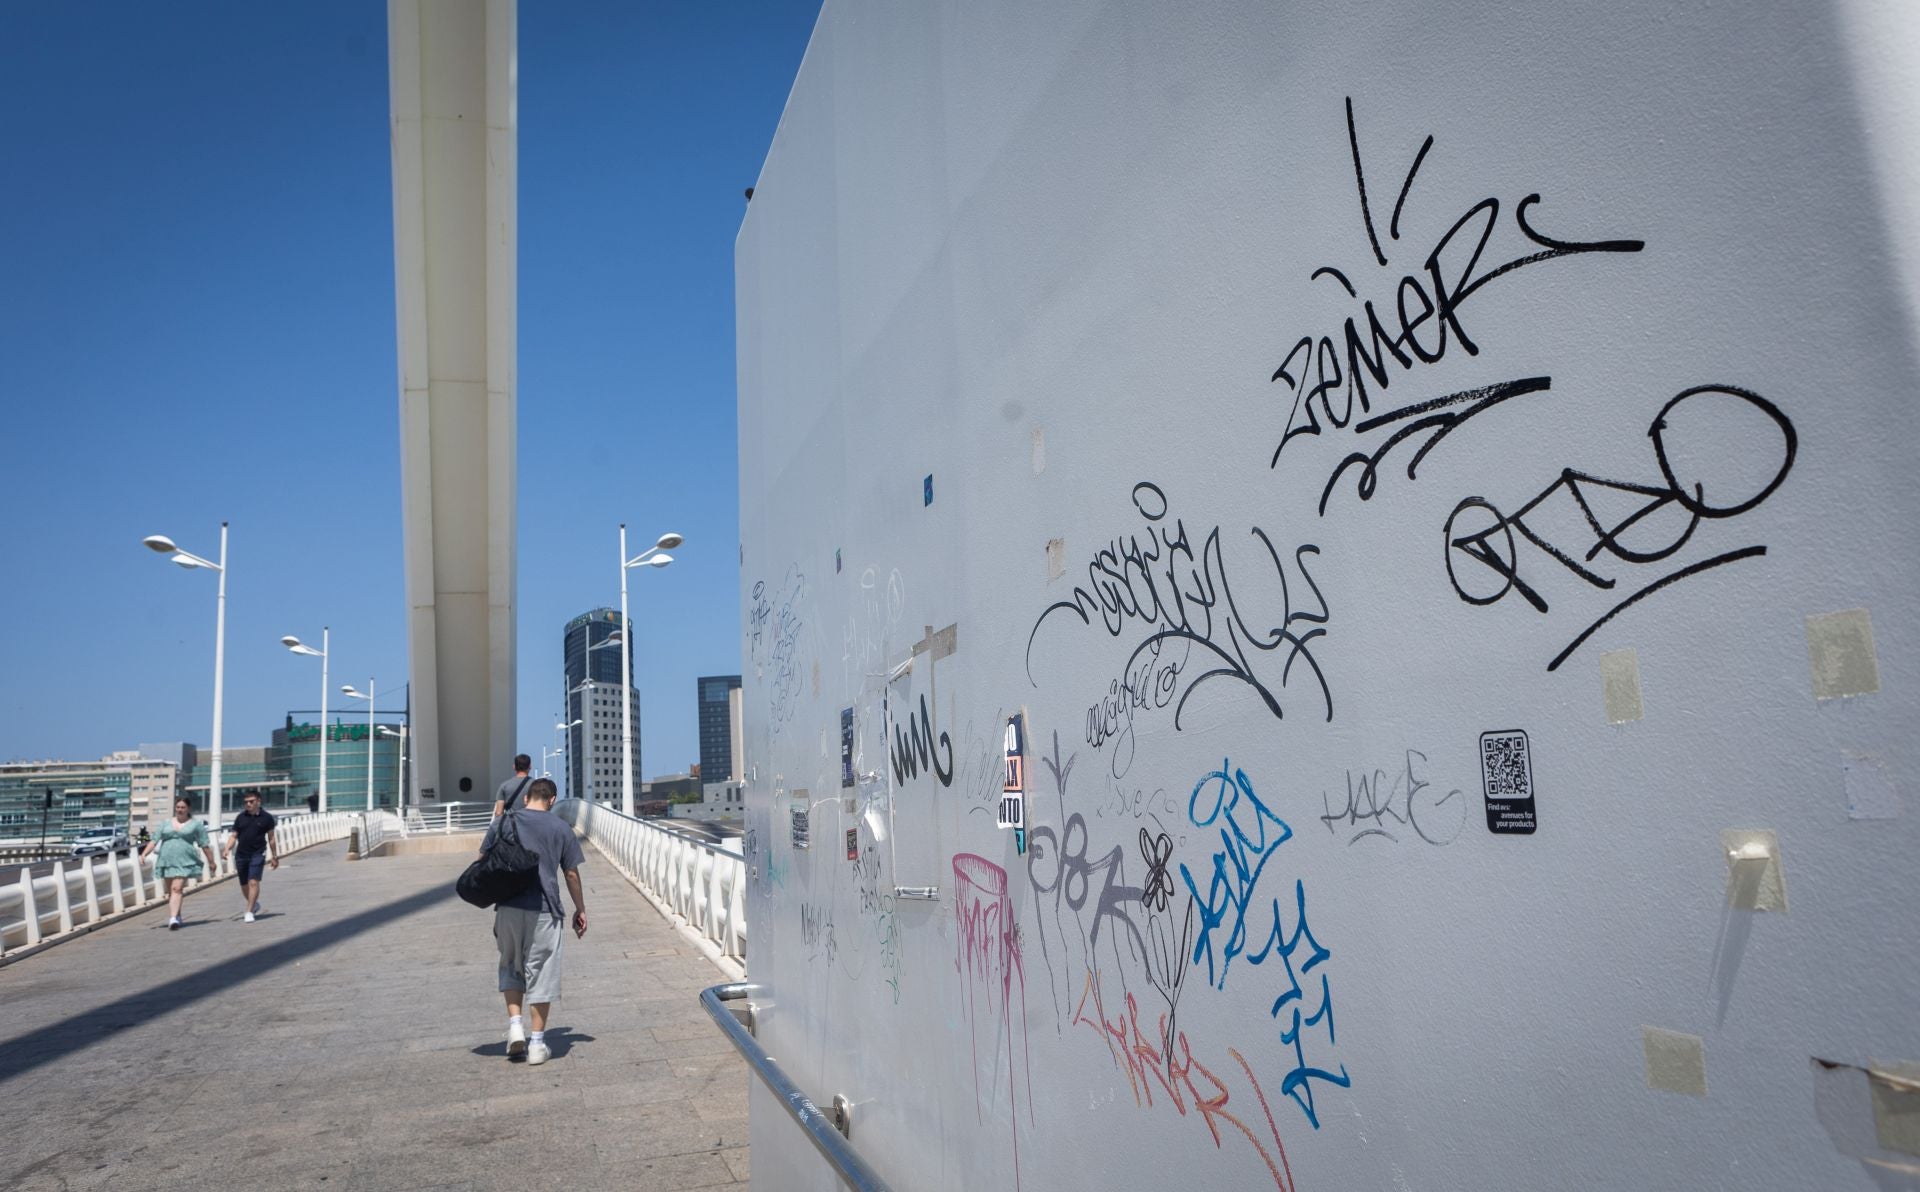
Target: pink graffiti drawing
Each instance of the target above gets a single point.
(991, 975)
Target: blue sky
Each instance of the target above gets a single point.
(196, 324)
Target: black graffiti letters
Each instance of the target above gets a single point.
(915, 750)
(1385, 807)
(1329, 374)
(1188, 620)
(1720, 451)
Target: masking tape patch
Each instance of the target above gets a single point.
(1896, 1106)
(1871, 1113)
(1754, 880)
(1056, 558)
(1870, 791)
(1676, 1062)
(1840, 652)
(1620, 684)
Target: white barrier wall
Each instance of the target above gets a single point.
(1434, 484)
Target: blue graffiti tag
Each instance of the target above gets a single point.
(1250, 834)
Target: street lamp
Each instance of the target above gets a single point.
(298, 647)
(400, 796)
(653, 556)
(566, 743)
(164, 545)
(351, 693)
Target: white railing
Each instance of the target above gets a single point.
(701, 886)
(376, 828)
(80, 892)
(450, 817)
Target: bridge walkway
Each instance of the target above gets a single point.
(352, 1038)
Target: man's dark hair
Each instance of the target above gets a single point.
(522, 763)
(543, 788)
(254, 795)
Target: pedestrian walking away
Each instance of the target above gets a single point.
(255, 849)
(528, 927)
(179, 842)
(508, 796)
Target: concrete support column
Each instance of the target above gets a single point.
(452, 67)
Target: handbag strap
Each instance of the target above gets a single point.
(515, 796)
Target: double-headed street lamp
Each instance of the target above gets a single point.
(651, 557)
(372, 734)
(164, 545)
(298, 647)
(565, 742)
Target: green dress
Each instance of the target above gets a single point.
(179, 851)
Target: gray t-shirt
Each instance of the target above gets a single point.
(552, 840)
(511, 785)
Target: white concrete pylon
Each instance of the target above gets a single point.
(452, 71)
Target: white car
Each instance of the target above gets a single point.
(94, 842)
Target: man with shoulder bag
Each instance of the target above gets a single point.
(528, 926)
(511, 790)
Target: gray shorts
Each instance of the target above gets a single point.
(529, 952)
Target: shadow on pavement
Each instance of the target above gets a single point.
(560, 1040)
(56, 1041)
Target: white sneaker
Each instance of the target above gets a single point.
(537, 1053)
(173, 924)
(516, 1040)
(249, 917)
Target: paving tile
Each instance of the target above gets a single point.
(353, 1039)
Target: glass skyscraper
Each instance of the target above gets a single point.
(594, 689)
(717, 726)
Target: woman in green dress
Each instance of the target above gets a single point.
(179, 840)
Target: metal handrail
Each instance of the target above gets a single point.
(818, 1125)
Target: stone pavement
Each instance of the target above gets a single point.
(352, 1038)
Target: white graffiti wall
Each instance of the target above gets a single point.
(1331, 595)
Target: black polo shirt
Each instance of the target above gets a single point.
(250, 832)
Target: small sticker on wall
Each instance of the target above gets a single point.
(853, 844)
(926, 490)
(1013, 796)
(1506, 771)
(846, 748)
(802, 816)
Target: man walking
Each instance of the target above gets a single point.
(255, 848)
(528, 927)
(505, 799)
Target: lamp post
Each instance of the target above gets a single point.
(566, 743)
(298, 647)
(164, 545)
(351, 693)
(651, 557)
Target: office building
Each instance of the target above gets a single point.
(598, 696)
(720, 736)
(350, 748)
(56, 801)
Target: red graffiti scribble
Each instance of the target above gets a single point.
(989, 964)
(1136, 1054)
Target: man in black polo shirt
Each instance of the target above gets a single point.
(255, 849)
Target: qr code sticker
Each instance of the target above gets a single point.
(1506, 766)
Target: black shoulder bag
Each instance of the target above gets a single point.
(505, 869)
